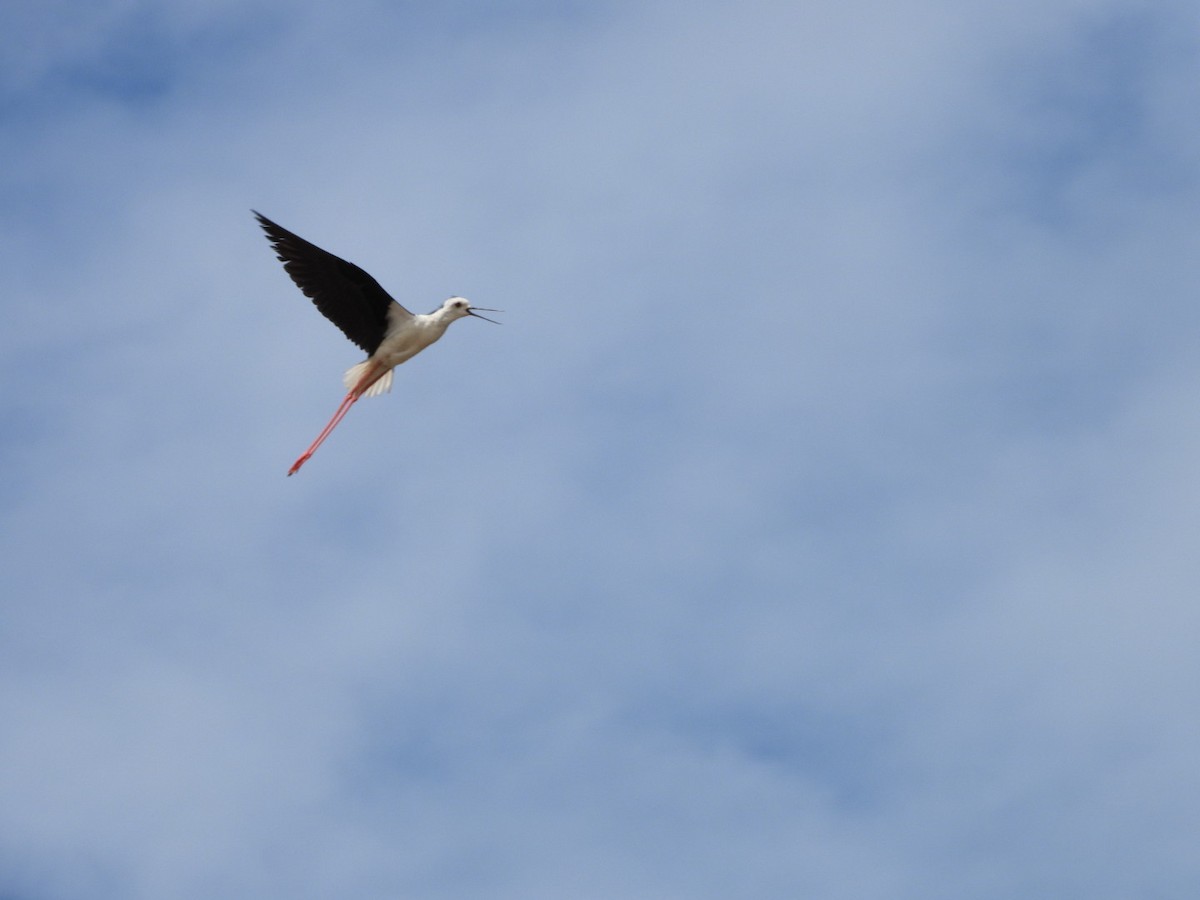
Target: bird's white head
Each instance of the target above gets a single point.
(457, 307)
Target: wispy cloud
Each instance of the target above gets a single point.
(819, 522)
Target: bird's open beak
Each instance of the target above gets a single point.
(471, 312)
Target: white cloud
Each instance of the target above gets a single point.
(818, 521)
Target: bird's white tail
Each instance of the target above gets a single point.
(355, 373)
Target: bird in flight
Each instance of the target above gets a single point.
(353, 301)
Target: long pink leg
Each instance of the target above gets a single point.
(369, 378)
(337, 417)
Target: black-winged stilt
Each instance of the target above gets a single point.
(354, 302)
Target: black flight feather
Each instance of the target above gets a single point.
(345, 294)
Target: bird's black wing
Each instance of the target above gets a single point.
(345, 294)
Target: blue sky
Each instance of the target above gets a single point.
(822, 521)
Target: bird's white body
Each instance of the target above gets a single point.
(407, 335)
